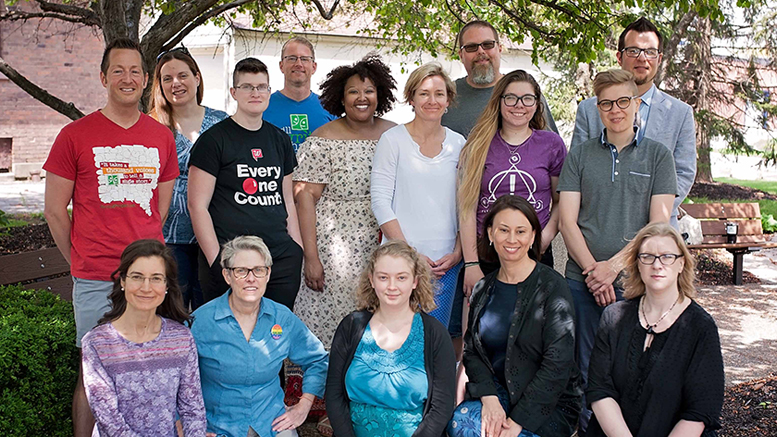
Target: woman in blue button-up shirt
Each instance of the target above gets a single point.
(242, 339)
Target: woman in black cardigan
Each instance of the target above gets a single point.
(391, 366)
(656, 368)
(519, 347)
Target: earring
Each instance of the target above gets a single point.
(446, 111)
(165, 292)
(122, 288)
(491, 242)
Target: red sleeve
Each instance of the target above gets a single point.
(170, 169)
(61, 160)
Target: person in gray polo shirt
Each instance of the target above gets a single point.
(610, 187)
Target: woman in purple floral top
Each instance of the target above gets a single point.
(140, 364)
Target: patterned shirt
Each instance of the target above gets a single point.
(178, 227)
(135, 389)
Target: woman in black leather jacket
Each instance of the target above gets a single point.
(519, 347)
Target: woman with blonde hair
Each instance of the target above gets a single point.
(656, 367)
(509, 152)
(391, 364)
(413, 182)
(176, 102)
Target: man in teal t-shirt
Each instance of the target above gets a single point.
(295, 109)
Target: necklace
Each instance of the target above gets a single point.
(650, 326)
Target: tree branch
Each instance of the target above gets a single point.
(526, 23)
(327, 15)
(19, 15)
(201, 20)
(67, 109)
(89, 17)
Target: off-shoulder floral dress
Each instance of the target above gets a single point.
(346, 229)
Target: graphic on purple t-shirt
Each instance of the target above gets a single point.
(523, 170)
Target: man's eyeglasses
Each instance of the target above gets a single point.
(527, 99)
(181, 49)
(242, 272)
(248, 88)
(293, 59)
(138, 280)
(666, 259)
(622, 102)
(634, 52)
(472, 48)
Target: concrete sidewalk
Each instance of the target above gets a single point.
(21, 197)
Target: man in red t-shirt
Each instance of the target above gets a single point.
(118, 167)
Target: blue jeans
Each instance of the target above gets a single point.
(466, 416)
(186, 257)
(587, 314)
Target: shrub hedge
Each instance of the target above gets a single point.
(38, 363)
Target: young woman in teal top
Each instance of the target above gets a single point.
(391, 364)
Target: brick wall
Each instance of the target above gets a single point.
(63, 59)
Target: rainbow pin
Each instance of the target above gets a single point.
(276, 332)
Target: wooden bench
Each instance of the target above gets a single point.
(750, 235)
(43, 269)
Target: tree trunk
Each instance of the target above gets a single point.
(703, 147)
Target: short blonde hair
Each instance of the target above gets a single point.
(241, 243)
(428, 70)
(422, 297)
(632, 282)
(613, 77)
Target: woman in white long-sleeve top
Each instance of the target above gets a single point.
(413, 183)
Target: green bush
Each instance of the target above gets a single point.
(38, 363)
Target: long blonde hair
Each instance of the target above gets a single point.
(422, 297)
(632, 281)
(473, 155)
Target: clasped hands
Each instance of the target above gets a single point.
(493, 420)
(599, 278)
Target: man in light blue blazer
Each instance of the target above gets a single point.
(661, 117)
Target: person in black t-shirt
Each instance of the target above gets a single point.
(239, 181)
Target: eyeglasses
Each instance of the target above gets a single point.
(248, 88)
(634, 52)
(527, 99)
(666, 259)
(181, 49)
(622, 102)
(139, 280)
(472, 48)
(242, 272)
(293, 59)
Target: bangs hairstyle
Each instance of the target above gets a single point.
(429, 70)
(370, 67)
(172, 306)
(471, 24)
(486, 250)
(614, 77)
(241, 243)
(642, 25)
(633, 286)
(422, 297)
(249, 65)
(473, 155)
(161, 110)
(121, 43)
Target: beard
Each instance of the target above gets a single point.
(483, 74)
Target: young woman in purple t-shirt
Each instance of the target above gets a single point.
(509, 152)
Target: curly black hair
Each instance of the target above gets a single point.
(370, 67)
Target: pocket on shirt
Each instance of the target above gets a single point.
(639, 182)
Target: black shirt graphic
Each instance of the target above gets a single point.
(249, 167)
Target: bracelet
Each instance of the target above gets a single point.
(470, 264)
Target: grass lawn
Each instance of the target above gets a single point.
(14, 220)
(768, 186)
